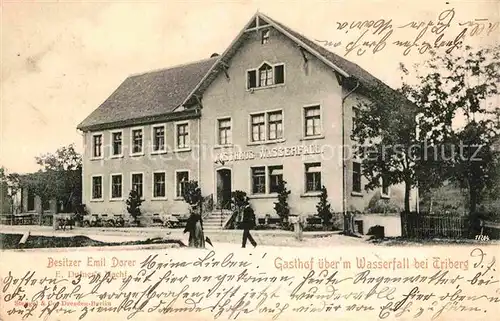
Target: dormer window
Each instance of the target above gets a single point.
(265, 76)
(264, 36)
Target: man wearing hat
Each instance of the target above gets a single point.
(248, 223)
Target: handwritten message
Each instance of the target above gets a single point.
(373, 36)
(233, 286)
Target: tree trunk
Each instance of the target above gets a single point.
(407, 197)
(472, 200)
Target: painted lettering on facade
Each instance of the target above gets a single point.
(265, 152)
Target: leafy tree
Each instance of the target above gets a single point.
(384, 133)
(463, 85)
(64, 166)
(323, 207)
(134, 202)
(65, 159)
(281, 206)
(192, 193)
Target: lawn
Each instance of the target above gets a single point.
(11, 241)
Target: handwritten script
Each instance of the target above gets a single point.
(373, 36)
(232, 286)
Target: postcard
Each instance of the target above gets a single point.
(250, 160)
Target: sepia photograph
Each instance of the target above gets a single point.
(141, 139)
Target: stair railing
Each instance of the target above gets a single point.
(207, 205)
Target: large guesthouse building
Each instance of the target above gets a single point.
(273, 106)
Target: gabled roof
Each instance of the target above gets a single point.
(341, 66)
(159, 95)
(148, 95)
(350, 68)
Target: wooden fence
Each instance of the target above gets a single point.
(433, 226)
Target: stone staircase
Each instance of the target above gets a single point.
(216, 219)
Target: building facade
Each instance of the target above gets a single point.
(273, 106)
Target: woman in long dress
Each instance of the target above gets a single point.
(195, 228)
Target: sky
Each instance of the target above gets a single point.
(61, 59)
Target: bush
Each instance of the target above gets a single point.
(134, 205)
(380, 205)
(281, 206)
(324, 210)
(239, 200)
(192, 193)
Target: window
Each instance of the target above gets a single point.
(116, 186)
(312, 117)
(258, 127)
(225, 134)
(313, 177)
(97, 145)
(275, 178)
(181, 178)
(117, 143)
(137, 183)
(97, 187)
(275, 125)
(252, 79)
(279, 74)
(259, 180)
(137, 141)
(159, 184)
(182, 133)
(159, 138)
(356, 177)
(264, 36)
(270, 122)
(266, 75)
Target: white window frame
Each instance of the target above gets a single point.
(282, 124)
(257, 76)
(266, 127)
(111, 145)
(265, 181)
(305, 165)
(353, 192)
(268, 176)
(177, 197)
(321, 120)
(92, 199)
(141, 153)
(176, 132)
(111, 198)
(160, 151)
(92, 147)
(284, 73)
(217, 134)
(153, 197)
(143, 183)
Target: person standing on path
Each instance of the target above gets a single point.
(248, 223)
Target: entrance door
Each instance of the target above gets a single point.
(224, 188)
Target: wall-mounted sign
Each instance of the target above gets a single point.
(273, 152)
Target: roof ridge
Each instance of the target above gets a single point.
(171, 67)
